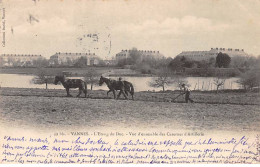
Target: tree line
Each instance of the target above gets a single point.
(169, 70)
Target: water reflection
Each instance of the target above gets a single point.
(140, 83)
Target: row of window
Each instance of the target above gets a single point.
(121, 55)
(72, 57)
(77, 53)
(209, 54)
(148, 51)
(194, 55)
(20, 55)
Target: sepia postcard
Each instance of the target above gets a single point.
(129, 82)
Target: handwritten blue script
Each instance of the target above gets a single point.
(130, 150)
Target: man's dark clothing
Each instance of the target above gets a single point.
(187, 95)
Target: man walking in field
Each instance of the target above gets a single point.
(187, 93)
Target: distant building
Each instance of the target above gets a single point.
(206, 55)
(71, 58)
(18, 59)
(124, 54)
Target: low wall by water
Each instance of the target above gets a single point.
(211, 71)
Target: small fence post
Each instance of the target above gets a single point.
(198, 83)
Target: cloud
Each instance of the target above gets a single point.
(169, 26)
(173, 26)
(51, 26)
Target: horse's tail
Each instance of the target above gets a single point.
(85, 90)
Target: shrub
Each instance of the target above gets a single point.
(250, 79)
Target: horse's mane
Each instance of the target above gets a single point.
(109, 79)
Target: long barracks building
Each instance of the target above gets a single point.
(18, 59)
(70, 58)
(212, 53)
(124, 54)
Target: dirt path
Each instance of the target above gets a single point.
(56, 112)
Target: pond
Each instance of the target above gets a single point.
(140, 83)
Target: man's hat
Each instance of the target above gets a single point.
(183, 85)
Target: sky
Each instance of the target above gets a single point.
(169, 26)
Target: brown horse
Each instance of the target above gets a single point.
(72, 83)
(114, 85)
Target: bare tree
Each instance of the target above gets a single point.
(250, 79)
(91, 78)
(219, 81)
(41, 77)
(164, 79)
(179, 81)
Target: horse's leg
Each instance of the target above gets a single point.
(132, 95)
(68, 92)
(80, 91)
(114, 92)
(119, 94)
(85, 92)
(108, 91)
(85, 89)
(124, 94)
(127, 89)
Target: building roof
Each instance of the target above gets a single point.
(141, 51)
(214, 51)
(20, 55)
(59, 54)
(74, 54)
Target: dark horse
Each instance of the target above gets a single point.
(114, 85)
(72, 83)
